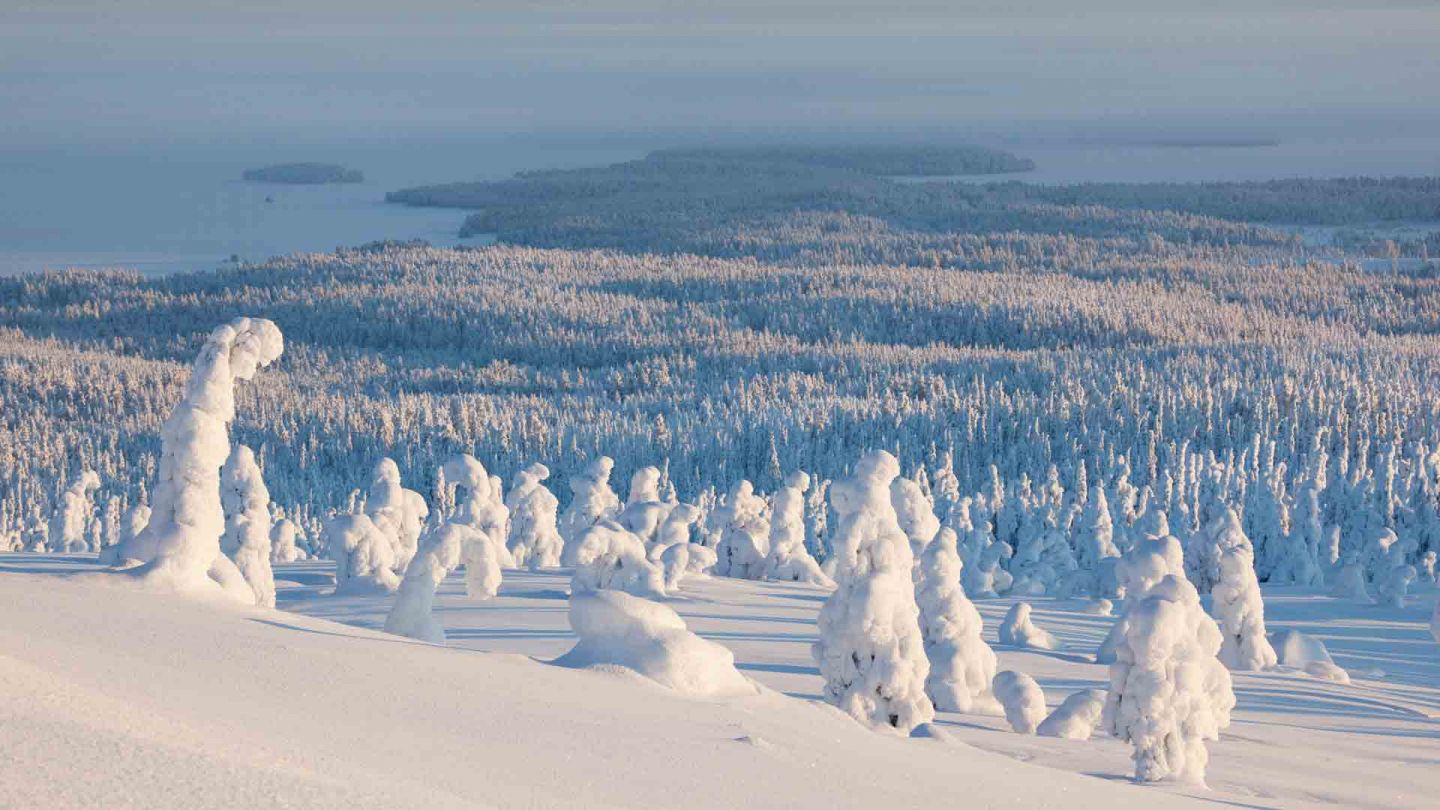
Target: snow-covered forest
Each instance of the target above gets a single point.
(1137, 415)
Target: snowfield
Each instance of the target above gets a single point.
(116, 697)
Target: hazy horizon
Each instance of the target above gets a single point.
(108, 73)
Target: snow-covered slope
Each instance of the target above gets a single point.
(120, 698)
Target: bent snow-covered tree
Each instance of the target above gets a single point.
(246, 541)
(437, 554)
(398, 512)
(180, 546)
(870, 651)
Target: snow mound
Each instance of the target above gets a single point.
(618, 629)
(1023, 701)
(1076, 718)
(1308, 654)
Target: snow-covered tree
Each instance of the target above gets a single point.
(398, 512)
(644, 511)
(789, 560)
(438, 553)
(1169, 693)
(593, 499)
(744, 535)
(1207, 547)
(1240, 611)
(482, 509)
(606, 557)
(364, 556)
(180, 545)
(282, 542)
(534, 535)
(915, 513)
(1148, 562)
(246, 541)
(870, 652)
(69, 528)
(962, 665)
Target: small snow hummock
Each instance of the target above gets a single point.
(437, 554)
(1306, 653)
(593, 499)
(1076, 718)
(364, 557)
(871, 653)
(534, 537)
(1169, 693)
(1018, 631)
(606, 557)
(962, 665)
(246, 541)
(180, 546)
(789, 559)
(1239, 609)
(1022, 698)
(618, 629)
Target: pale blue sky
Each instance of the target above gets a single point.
(190, 69)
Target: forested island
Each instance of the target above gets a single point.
(304, 174)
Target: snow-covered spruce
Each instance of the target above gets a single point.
(606, 557)
(437, 554)
(246, 541)
(1208, 546)
(1145, 564)
(1299, 560)
(618, 629)
(1022, 698)
(534, 539)
(1350, 582)
(644, 511)
(1240, 611)
(962, 665)
(789, 560)
(1396, 584)
(398, 512)
(364, 556)
(915, 514)
(479, 506)
(744, 534)
(1076, 718)
(1018, 631)
(593, 499)
(180, 545)
(1169, 693)
(870, 652)
(70, 525)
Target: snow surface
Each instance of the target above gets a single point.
(139, 700)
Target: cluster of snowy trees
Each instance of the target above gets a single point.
(1268, 385)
